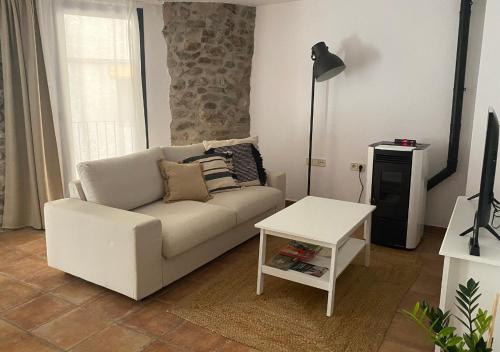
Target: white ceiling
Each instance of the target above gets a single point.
(238, 2)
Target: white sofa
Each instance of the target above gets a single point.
(116, 231)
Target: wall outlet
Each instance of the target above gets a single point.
(317, 162)
(355, 167)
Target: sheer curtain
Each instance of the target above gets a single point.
(92, 55)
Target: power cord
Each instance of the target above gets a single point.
(360, 168)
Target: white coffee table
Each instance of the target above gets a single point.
(320, 221)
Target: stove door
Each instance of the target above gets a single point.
(391, 195)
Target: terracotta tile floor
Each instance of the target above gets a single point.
(43, 309)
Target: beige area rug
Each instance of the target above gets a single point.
(289, 316)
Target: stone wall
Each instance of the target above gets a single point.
(210, 49)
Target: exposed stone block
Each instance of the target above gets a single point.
(209, 58)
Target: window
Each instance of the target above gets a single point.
(100, 87)
(93, 60)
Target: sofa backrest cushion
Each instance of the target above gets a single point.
(124, 182)
(76, 190)
(181, 152)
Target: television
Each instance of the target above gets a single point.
(486, 197)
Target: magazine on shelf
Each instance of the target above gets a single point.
(303, 257)
(282, 262)
(300, 251)
(309, 269)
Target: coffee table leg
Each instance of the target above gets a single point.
(331, 283)
(262, 259)
(367, 237)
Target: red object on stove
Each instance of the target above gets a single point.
(405, 142)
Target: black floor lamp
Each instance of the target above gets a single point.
(326, 65)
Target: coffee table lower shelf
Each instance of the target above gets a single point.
(345, 256)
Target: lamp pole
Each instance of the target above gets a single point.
(309, 164)
(326, 65)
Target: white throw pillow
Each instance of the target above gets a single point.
(227, 142)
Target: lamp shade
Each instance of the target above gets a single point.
(326, 65)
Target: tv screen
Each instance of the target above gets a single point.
(489, 169)
(486, 197)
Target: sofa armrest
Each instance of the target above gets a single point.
(114, 248)
(277, 180)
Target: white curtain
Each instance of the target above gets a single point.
(92, 55)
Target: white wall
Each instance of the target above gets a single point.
(400, 58)
(157, 76)
(488, 94)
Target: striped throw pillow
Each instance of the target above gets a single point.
(216, 171)
(247, 161)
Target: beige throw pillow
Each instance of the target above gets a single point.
(183, 181)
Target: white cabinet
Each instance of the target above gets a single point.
(459, 266)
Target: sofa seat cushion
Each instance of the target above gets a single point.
(249, 202)
(186, 224)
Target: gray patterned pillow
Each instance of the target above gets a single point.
(247, 163)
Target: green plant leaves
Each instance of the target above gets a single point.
(436, 323)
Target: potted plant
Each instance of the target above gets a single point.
(436, 323)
